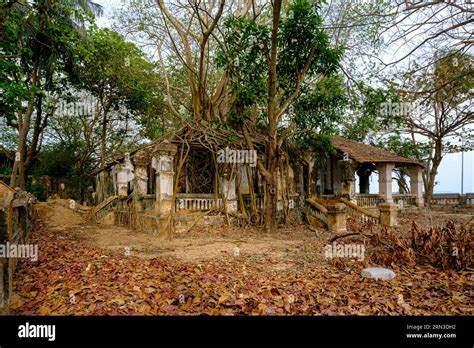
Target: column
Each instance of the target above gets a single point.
(244, 179)
(388, 214)
(364, 183)
(141, 176)
(122, 180)
(163, 164)
(328, 187)
(385, 180)
(311, 184)
(228, 191)
(347, 178)
(260, 180)
(416, 184)
(336, 217)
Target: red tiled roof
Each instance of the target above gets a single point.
(364, 153)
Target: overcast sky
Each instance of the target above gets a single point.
(449, 176)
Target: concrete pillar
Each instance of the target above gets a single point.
(347, 176)
(260, 180)
(229, 192)
(291, 180)
(244, 179)
(416, 184)
(141, 176)
(463, 200)
(328, 187)
(142, 179)
(122, 180)
(311, 184)
(352, 189)
(163, 164)
(336, 217)
(364, 182)
(140, 183)
(388, 214)
(385, 181)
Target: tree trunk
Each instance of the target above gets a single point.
(24, 122)
(271, 201)
(40, 124)
(431, 177)
(401, 180)
(272, 145)
(14, 175)
(19, 167)
(103, 140)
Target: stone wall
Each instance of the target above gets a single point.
(452, 199)
(16, 218)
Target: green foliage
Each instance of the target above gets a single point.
(117, 73)
(444, 99)
(37, 190)
(318, 111)
(403, 146)
(8, 135)
(300, 28)
(64, 161)
(5, 170)
(245, 56)
(245, 61)
(453, 78)
(321, 147)
(41, 34)
(62, 54)
(57, 161)
(367, 115)
(12, 88)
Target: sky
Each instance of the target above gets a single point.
(449, 173)
(448, 178)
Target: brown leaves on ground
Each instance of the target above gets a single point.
(72, 278)
(447, 247)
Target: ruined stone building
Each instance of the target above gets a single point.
(185, 173)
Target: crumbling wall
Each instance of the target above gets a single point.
(104, 186)
(4, 286)
(16, 218)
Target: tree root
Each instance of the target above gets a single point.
(348, 235)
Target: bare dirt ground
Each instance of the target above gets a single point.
(201, 244)
(88, 269)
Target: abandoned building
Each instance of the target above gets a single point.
(355, 158)
(182, 173)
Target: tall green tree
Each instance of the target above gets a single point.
(123, 82)
(269, 61)
(36, 49)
